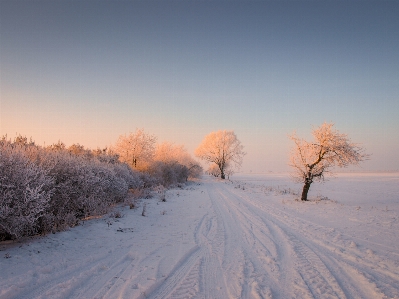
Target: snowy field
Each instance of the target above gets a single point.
(247, 238)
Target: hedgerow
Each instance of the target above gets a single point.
(48, 189)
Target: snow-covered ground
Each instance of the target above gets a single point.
(218, 239)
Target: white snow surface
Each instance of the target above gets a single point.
(245, 238)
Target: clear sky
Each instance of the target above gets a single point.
(88, 71)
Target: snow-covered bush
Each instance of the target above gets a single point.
(70, 199)
(194, 170)
(168, 173)
(132, 177)
(84, 187)
(25, 192)
(148, 180)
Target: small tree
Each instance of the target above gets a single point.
(136, 149)
(222, 148)
(313, 160)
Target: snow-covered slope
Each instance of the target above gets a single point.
(218, 239)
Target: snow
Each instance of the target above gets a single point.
(245, 238)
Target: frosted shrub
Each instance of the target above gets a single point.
(148, 180)
(194, 170)
(181, 173)
(83, 187)
(105, 184)
(169, 173)
(67, 202)
(25, 190)
(133, 178)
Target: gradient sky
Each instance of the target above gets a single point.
(88, 71)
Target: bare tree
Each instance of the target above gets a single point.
(313, 160)
(222, 148)
(136, 149)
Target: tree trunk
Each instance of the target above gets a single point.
(222, 176)
(305, 191)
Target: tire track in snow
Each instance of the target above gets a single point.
(175, 278)
(245, 268)
(62, 282)
(344, 262)
(198, 272)
(114, 276)
(304, 264)
(189, 288)
(268, 260)
(315, 255)
(324, 266)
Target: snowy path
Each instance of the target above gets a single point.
(213, 240)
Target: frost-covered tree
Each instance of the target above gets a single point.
(136, 149)
(313, 160)
(222, 148)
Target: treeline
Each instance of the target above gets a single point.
(47, 189)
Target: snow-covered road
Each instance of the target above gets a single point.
(217, 239)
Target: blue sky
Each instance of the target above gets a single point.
(87, 71)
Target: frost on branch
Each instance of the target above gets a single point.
(313, 160)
